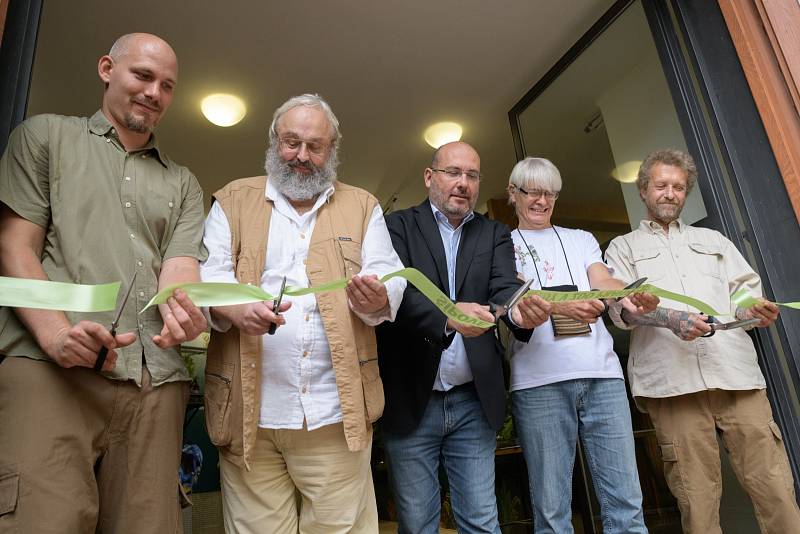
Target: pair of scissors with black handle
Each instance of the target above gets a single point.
(716, 324)
(103, 354)
(275, 305)
(498, 310)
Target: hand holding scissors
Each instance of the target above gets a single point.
(276, 307)
(103, 354)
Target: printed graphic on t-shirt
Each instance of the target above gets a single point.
(522, 255)
(549, 269)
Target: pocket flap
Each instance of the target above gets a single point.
(668, 452)
(705, 248)
(9, 491)
(776, 431)
(351, 252)
(645, 254)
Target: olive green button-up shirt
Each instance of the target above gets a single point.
(704, 264)
(107, 213)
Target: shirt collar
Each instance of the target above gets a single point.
(653, 227)
(100, 125)
(442, 218)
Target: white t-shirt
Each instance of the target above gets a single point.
(547, 359)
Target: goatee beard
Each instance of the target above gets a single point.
(295, 185)
(136, 125)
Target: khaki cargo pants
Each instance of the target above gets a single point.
(686, 428)
(80, 453)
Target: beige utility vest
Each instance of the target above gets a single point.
(233, 369)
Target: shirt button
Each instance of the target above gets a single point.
(305, 354)
(133, 236)
(139, 263)
(127, 204)
(302, 236)
(108, 140)
(170, 203)
(252, 365)
(127, 178)
(144, 156)
(303, 390)
(141, 293)
(308, 317)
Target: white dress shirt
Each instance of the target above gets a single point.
(298, 383)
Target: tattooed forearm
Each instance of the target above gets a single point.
(680, 322)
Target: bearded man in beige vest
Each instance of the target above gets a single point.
(292, 412)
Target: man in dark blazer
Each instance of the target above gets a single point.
(443, 381)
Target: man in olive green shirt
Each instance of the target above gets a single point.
(95, 200)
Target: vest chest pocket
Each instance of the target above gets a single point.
(217, 401)
(246, 266)
(350, 252)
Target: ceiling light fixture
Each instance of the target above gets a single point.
(627, 172)
(223, 109)
(441, 133)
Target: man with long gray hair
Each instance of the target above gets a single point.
(293, 412)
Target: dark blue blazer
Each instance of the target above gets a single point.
(409, 349)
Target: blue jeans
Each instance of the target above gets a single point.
(549, 419)
(454, 429)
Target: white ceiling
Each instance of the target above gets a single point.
(389, 68)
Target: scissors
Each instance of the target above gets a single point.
(637, 283)
(498, 310)
(275, 305)
(632, 285)
(101, 356)
(717, 325)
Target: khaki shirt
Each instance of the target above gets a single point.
(107, 213)
(700, 263)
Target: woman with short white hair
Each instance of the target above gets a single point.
(567, 382)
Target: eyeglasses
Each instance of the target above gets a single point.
(293, 144)
(538, 193)
(454, 173)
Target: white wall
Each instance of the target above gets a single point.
(639, 118)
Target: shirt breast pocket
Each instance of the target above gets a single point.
(650, 262)
(706, 258)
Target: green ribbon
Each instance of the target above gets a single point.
(222, 294)
(745, 300)
(558, 296)
(47, 295)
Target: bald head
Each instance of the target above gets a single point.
(141, 42)
(139, 72)
(455, 146)
(453, 180)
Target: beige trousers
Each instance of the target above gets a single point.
(686, 428)
(81, 453)
(334, 484)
